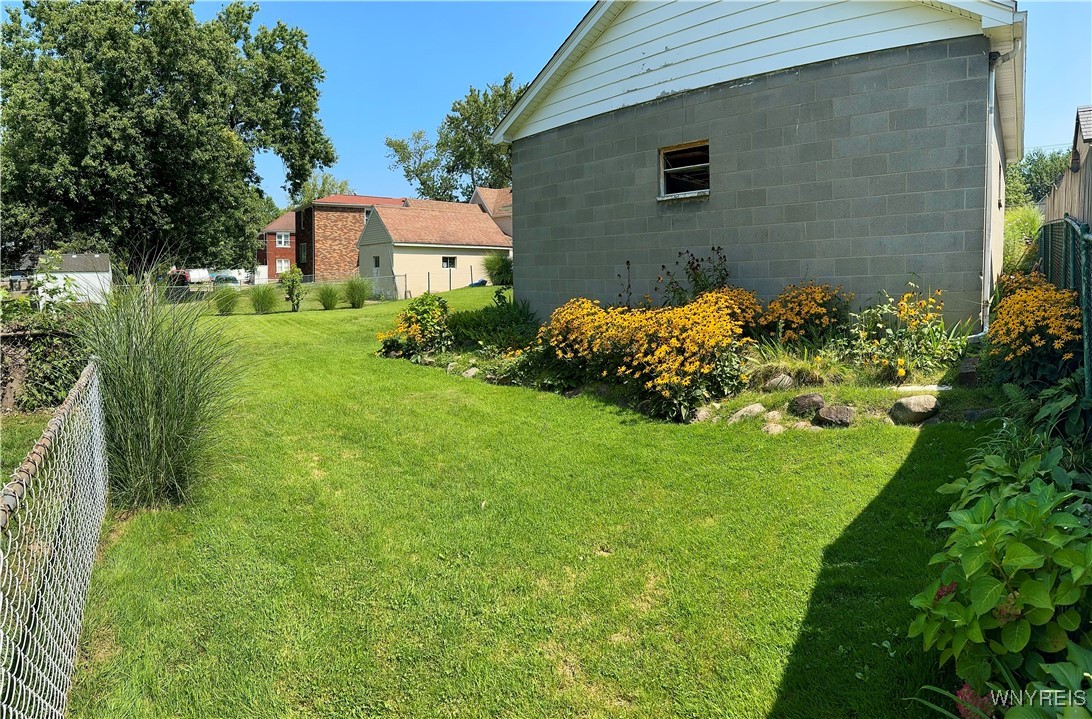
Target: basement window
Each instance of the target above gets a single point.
(684, 171)
(448, 263)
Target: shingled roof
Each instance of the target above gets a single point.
(287, 221)
(1084, 124)
(498, 203)
(429, 225)
(443, 206)
(358, 200)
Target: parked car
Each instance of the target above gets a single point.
(226, 281)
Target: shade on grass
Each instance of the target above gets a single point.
(390, 540)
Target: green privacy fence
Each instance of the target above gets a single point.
(1065, 257)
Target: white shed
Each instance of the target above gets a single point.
(89, 276)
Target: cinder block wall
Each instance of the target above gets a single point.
(863, 171)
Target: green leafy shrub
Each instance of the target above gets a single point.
(498, 268)
(357, 292)
(225, 299)
(292, 281)
(40, 358)
(1021, 230)
(503, 325)
(422, 329)
(895, 338)
(263, 298)
(328, 296)
(1015, 572)
(166, 378)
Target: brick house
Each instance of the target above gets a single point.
(277, 252)
(858, 143)
(327, 231)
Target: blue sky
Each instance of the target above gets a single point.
(394, 67)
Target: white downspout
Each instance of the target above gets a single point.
(987, 219)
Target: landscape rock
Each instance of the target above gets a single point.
(772, 428)
(451, 367)
(781, 381)
(751, 410)
(471, 372)
(977, 415)
(835, 415)
(773, 416)
(704, 414)
(915, 409)
(805, 405)
(807, 427)
(968, 372)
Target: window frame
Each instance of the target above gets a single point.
(449, 262)
(663, 194)
(284, 242)
(286, 261)
(375, 262)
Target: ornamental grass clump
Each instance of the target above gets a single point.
(167, 374)
(673, 359)
(808, 312)
(263, 298)
(225, 299)
(1035, 334)
(357, 292)
(328, 296)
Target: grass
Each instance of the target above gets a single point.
(390, 540)
(18, 433)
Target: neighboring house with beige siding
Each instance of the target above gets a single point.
(498, 203)
(857, 143)
(427, 245)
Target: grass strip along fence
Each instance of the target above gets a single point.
(1065, 257)
(51, 515)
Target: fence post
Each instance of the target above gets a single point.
(1084, 239)
(428, 282)
(449, 279)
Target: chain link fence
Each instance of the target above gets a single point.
(1065, 257)
(51, 514)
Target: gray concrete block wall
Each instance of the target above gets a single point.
(867, 171)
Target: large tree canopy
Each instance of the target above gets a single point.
(1031, 179)
(463, 156)
(320, 184)
(132, 128)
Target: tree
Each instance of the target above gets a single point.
(1031, 179)
(320, 184)
(132, 128)
(463, 156)
(1042, 170)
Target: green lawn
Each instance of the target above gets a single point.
(385, 539)
(18, 433)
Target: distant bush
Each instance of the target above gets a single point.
(328, 296)
(292, 281)
(166, 379)
(225, 299)
(503, 325)
(1021, 223)
(263, 298)
(422, 329)
(357, 292)
(498, 268)
(810, 312)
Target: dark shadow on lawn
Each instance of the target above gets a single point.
(839, 666)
